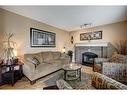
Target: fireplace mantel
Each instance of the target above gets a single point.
(101, 44)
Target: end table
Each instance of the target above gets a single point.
(9, 74)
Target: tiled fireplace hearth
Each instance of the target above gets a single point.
(99, 49)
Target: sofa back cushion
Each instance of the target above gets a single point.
(56, 55)
(43, 56)
(118, 58)
(38, 56)
(47, 56)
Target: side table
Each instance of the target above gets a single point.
(9, 74)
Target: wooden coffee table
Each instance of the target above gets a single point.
(72, 71)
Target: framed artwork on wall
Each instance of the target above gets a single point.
(91, 35)
(41, 38)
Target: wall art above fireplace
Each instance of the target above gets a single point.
(91, 35)
(41, 38)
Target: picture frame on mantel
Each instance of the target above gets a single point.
(91, 36)
(42, 38)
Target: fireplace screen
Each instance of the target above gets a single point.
(88, 57)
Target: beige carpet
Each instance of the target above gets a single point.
(84, 84)
(24, 83)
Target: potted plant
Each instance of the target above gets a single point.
(121, 47)
(70, 53)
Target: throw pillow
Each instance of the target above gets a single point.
(61, 84)
(34, 61)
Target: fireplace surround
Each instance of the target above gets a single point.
(100, 49)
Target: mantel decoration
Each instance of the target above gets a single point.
(41, 38)
(72, 40)
(91, 36)
(9, 52)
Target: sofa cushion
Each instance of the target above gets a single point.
(47, 56)
(42, 67)
(56, 55)
(118, 58)
(56, 61)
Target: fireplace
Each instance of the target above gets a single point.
(101, 49)
(88, 58)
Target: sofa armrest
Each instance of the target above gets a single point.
(98, 64)
(28, 69)
(101, 81)
(101, 60)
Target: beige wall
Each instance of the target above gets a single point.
(20, 26)
(111, 33)
(1, 33)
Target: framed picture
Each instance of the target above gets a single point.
(83, 36)
(41, 38)
(91, 35)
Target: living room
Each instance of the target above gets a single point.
(69, 37)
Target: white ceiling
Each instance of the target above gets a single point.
(71, 17)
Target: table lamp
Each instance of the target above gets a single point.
(63, 50)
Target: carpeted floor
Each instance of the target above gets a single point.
(24, 83)
(85, 82)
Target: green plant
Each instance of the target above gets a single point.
(121, 47)
(8, 47)
(70, 53)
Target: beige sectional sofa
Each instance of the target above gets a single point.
(49, 62)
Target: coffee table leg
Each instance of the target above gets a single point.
(65, 74)
(80, 74)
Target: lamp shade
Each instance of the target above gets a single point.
(15, 52)
(63, 50)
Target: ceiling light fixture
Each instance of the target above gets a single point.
(82, 26)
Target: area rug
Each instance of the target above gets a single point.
(51, 80)
(85, 82)
(25, 84)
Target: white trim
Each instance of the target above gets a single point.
(104, 44)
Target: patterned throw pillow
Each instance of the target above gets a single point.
(34, 61)
(61, 84)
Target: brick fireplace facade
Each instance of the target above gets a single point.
(100, 49)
